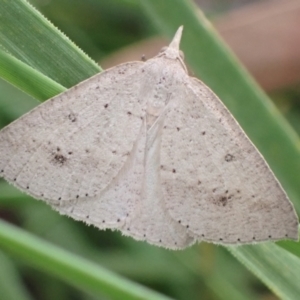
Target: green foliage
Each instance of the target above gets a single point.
(38, 59)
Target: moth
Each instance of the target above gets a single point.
(146, 149)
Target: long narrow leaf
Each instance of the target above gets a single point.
(11, 286)
(27, 79)
(31, 38)
(278, 268)
(69, 267)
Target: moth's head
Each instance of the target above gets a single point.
(172, 51)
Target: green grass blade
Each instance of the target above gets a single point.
(275, 266)
(31, 38)
(11, 286)
(27, 79)
(69, 267)
(214, 63)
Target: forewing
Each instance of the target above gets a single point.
(214, 180)
(117, 204)
(75, 144)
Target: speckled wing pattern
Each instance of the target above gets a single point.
(145, 149)
(69, 150)
(215, 182)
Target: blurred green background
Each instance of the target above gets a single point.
(205, 271)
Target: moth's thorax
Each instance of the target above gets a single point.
(164, 74)
(170, 53)
(175, 55)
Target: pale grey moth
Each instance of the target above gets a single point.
(148, 150)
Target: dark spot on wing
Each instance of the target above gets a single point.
(229, 157)
(203, 132)
(174, 171)
(221, 201)
(106, 105)
(72, 117)
(59, 159)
